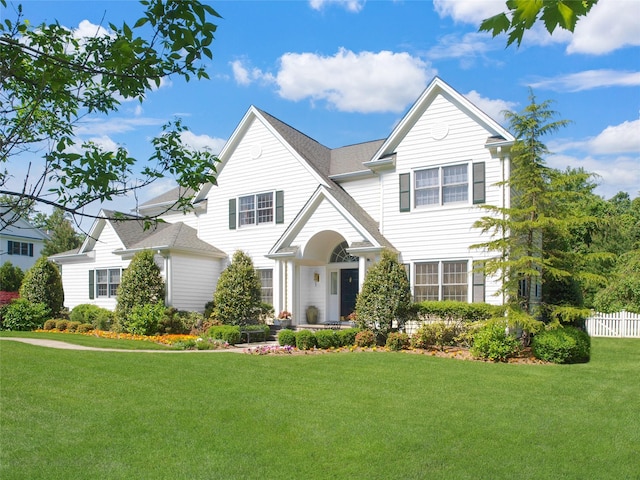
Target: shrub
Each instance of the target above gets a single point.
(438, 334)
(99, 318)
(347, 337)
(305, 340)
(22, 315)
(49, 324)
(141, 284)
(453, 311)
(208, 309)
(143, 319)
(365, 338)
(6, 297)
(62, 324)
(84, 328)
(73, 326)
(385, 296)
(238, 292)
(562, 345)
(492, 342)
(397, 341)
(42, 284)
(178, 321)
(228, 333)
(10, 277)
(286, 337)
(327, 339)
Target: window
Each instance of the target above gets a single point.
(266, 280)
(256, 209)
(24, 249)
(439, 186)
(106, 282)
(441, 281)
(340, 254)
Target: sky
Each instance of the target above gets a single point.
(346, 71)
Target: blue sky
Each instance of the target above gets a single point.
(345, 72)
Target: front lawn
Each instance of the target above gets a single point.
(78, 414)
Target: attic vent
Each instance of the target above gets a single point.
(439, 131)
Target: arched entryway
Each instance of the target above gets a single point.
(344, 273)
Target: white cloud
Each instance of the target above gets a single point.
(493, 108)
(354, 6)
(112, 125)
(623, 138)
(354, 82)
(202, 142)
(105, 143)
(467, 48)
(587, 80)
(244, 75)
(86, 29)
(609, 25)
(468, 11)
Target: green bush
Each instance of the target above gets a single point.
(10, 277)
(42, 284)
(84, 328)
(397, 341)
(227, 333)
(178, 321)
(365, 338)
(286, 337)
(327, 339)
(452, 311)
(62, 324)
(347, 337)
(562, 345)
(238, 292)
(49, 324)
(73, 326)
(22, 315)
(143, 319)
(100, 318)
(305, 340)
(436, 334)
(494, 343)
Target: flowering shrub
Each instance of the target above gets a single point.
(284, 315)
(6, 297)
(397, 341)
(365, 338)
(269, 349)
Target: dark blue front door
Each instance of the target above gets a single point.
(348, 291)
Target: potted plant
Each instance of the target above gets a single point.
(284, 318)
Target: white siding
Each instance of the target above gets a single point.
(366, 192)
(24, 262)
(193, 280)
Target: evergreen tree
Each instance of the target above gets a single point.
(10, 277)
(43, 284)
(61, 233)
(385, 296)
(141, 284)
(237, 297)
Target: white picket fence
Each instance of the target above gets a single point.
(621, 324)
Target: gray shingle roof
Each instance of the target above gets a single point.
(350, 158)
(177, 236)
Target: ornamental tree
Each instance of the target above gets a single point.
(10, 277)
(385, 296)
(50, 81)
(237, 298)
(43, 284)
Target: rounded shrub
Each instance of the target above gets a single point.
(10, 277)
(305, 340)
(347, 337)
(397, 341)
(365, 338)
(562, 345)
(326, 339)
(143, 319)
(62, 325)
(436, 334)
(49, 324)
(286, 337)
(84, 328)
(43, 284)
(494, 343)
(100, 318)
(227, 333)
(22, 315)
(73, 326)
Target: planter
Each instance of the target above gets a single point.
(312, 315)
(285, 322)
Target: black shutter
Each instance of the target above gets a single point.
(92, 285)
(405, 192)
(232, 214)
(478, 183)
(31, 249)
(10, 247)
(280, 206)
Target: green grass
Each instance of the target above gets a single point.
(89, 341)
(109, 415)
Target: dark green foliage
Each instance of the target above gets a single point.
(287, 337)
(144, 319)
(452, 311)
(327, 339)
(238, 292)
(23, 315)
(227, 333)
(347, 336)
(305, 340)
(494, 343)
(365, 338)
(141, 284)
(208, 309)
(397, 341)
(42, 284)
(100, 318)
(10, 277)
(562, 345)
(175, 321)
(62, 236)
(385, 296)
(623, 290)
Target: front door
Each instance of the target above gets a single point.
(348, 291)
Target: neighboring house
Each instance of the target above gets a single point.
(314, 219)
(21, 244)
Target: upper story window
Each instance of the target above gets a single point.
(441, 185)
(20, 248)
(256, 209)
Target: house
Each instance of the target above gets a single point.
(20, 243)
(314, 219)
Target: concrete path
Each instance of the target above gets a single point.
(41, 342)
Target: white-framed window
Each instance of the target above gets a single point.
(441, 185)
(266, 281)
(256, 209)
(441, 280)
(24, 249)
(107, 281)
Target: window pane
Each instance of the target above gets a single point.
(427, 178)
(454, 281)
(426, 281)
(455, 184)
(427, 196)
(247, 210)
(24, 249)
(265, 207)
(114, 281)
(266, 280)
(455, 174)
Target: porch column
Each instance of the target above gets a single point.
(278, 287)
(362, 271)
